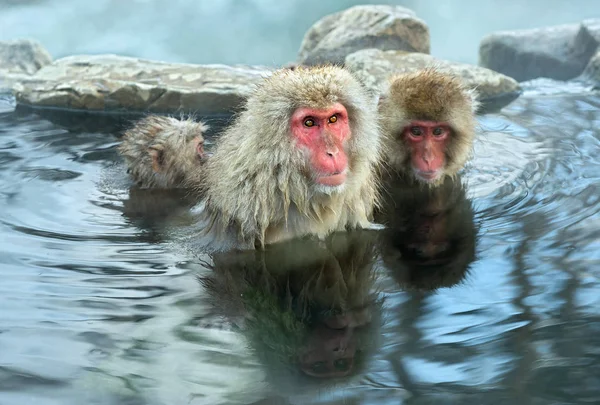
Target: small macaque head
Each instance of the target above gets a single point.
(323, 134)
(179, 148)
(162, 152)
(428, 121)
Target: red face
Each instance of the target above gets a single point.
(323, 134)
(427, 141)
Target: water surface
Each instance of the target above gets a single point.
(101, 306)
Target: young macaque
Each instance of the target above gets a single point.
(428, 125)
(163, 152)
(298, 160)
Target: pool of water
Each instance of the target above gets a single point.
(102, 303)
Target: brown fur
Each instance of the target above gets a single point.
(160, 151)
(428, 95)
(256, 183)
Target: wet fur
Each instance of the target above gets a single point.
(257, 184)
(168, 137)
(428, 94)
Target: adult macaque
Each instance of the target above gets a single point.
(430, 236)
(298, 160)
(307, 308)
(428, 123)
(163, 152)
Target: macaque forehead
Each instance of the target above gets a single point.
(428, 95)
(425, 110)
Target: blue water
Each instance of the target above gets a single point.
(102, 306)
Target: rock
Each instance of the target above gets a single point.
(9, 80)
(112, 83)
(22, 56)
(559, 52)
(592, 71)
(19, 59)
(335, 36)
(373, 67)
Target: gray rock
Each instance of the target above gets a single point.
(373, 67)
(592, 71)
(19, 59)
(559, 52)
(9, 80)
(335, 36)
(22, 56)
(112, 83)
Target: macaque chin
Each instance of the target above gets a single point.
(163, 152)
(428, 123)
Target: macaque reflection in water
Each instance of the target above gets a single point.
(155, 209)
(430, 236)
(305, 306)
(162, 155)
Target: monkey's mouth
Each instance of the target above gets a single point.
(427, 176)
(333, 180)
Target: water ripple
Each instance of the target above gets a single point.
(98, 307)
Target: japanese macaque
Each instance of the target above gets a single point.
(430, 236)
(307, 308)
(428, 124)
(164, 152)
(298, 160)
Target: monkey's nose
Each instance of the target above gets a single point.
(332, 152)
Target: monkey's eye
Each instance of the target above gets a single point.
(416, 131)
(309, 122)
(333, 119)
(437, 131)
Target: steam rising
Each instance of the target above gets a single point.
(267, 32)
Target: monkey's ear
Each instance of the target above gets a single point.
(156, 154)
(383, 94)
(381, 99)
